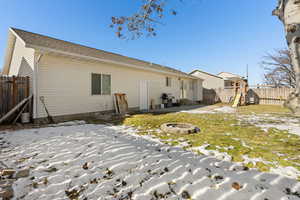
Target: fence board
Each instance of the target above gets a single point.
(12, 91)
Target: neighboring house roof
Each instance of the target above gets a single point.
(41, 42)
(197, 70)
(229, 75)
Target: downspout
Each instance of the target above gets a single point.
(35, 85)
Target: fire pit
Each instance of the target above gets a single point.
(179, 128)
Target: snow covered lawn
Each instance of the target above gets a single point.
(268, 142)
(111, 162)
(267, 121)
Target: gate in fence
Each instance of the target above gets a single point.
(13, 90)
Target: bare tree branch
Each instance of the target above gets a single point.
(143, 22)
(278, 69)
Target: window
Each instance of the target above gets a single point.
(96, 84)
(168, 81)
(101, 84)
(228, 84)
(106, 84)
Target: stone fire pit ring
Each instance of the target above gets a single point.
(179, 128)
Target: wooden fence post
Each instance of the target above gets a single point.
(27, 85)
(15, 91)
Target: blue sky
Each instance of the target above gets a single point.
(212, 35)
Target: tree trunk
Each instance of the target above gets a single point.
(288, 12)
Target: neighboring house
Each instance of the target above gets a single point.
(230, 79)
(210, 81)
(75, 79)
(221, 80)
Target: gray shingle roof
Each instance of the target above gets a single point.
(42, 41)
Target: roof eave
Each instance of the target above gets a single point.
(197, 70)
(16, 34)
(45, 50)
(201, 79)
(9, 51)
(234, 75)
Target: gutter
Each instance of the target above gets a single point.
(44, 49)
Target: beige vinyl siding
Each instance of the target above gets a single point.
(22, 61)
(66, 85)
(209, 81)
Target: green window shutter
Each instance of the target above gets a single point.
(106, 84)
(96, 84)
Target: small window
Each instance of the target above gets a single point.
(96, 84)
(168, 81)
(106, 84)
(101, 84)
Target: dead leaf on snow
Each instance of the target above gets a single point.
(236, 186)
(85, 166)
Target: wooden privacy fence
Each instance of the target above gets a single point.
(272, 96)
(12, 91)
(211, 96)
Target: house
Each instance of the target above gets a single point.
(230, 79)
(219, 81)
(210, 81)
(77, 80)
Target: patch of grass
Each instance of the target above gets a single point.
(263, 109)
(221, 131)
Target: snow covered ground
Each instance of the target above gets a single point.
(223, 109)
(266, 121)
(105, 162)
